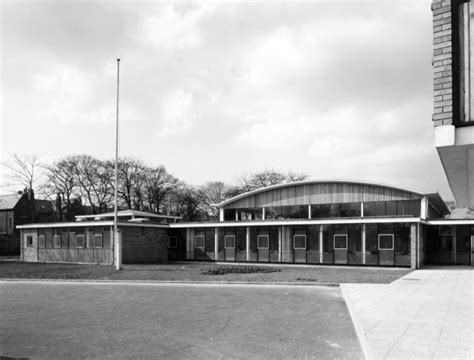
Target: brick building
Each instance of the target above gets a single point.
(16, 209)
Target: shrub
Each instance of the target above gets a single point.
(235, 269)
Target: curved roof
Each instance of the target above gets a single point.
(319, 192)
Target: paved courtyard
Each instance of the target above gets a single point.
(58, 320)
(427, 314)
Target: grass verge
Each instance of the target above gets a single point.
(193, 271)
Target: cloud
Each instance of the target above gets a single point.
(177, 113)
(174, 27)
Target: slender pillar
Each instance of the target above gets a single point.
(280, 230)
(221, 214)
(247, 243)
(309, 211)
(414, 246)
(363, 243)
(321, 244)
(216, 243)
(263, 213)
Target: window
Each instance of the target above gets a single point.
(98, 243)
(56, 239)
(29, 241)
(172, 242)
(229, 241)
(340, 242)
(263, 242)
(80, 238)
(299, 241)
(10, 222)
(199, 241)
(41, 238)
(386, 241)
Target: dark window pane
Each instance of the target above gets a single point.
(229, 242)
(172, 242)
(199, 241)
(263, 242)
(340, 241)
(385, 241)
(229, 214)
(299, 241)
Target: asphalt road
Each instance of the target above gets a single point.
(41, 320)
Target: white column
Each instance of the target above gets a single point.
(361, 209)
(280, 230)
(236, 215)
(363, 243)
(263, 213)
(221, 214)
(309, 211)
(216, 243)
(321, 244)
(424, 208)
(247, 244)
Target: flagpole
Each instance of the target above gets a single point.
(117, 244)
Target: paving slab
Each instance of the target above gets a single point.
(427, 314)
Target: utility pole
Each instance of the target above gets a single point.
(117, 237)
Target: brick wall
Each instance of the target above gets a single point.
(144, 245)
(442, 62)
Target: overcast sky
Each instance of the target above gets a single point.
(334, 89)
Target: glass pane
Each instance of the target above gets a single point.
(230, 241)
(340, 241)
(299, 241)
(385, 241)
(263, 242)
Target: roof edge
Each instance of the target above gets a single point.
(308, 182)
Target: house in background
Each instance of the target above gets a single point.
(16, 209)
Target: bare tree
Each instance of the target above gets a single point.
(210, 194)
(266, 178)
(63, 181)
(24, 172)
(95, 180)
(158, 183)
(183, 200)
(130, 182)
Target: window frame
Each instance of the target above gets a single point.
(305, 242)
(29, 241)
(393, 241)
(203, 242)
(258, 242)
(175, 242)
(225, 242)
(334, 242)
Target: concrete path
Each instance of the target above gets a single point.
(94, 320)
(427, 314)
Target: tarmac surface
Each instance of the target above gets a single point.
(70, 320)
(427, 314)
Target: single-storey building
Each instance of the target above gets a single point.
(89, 239)
(311, 222)
(329, 222)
